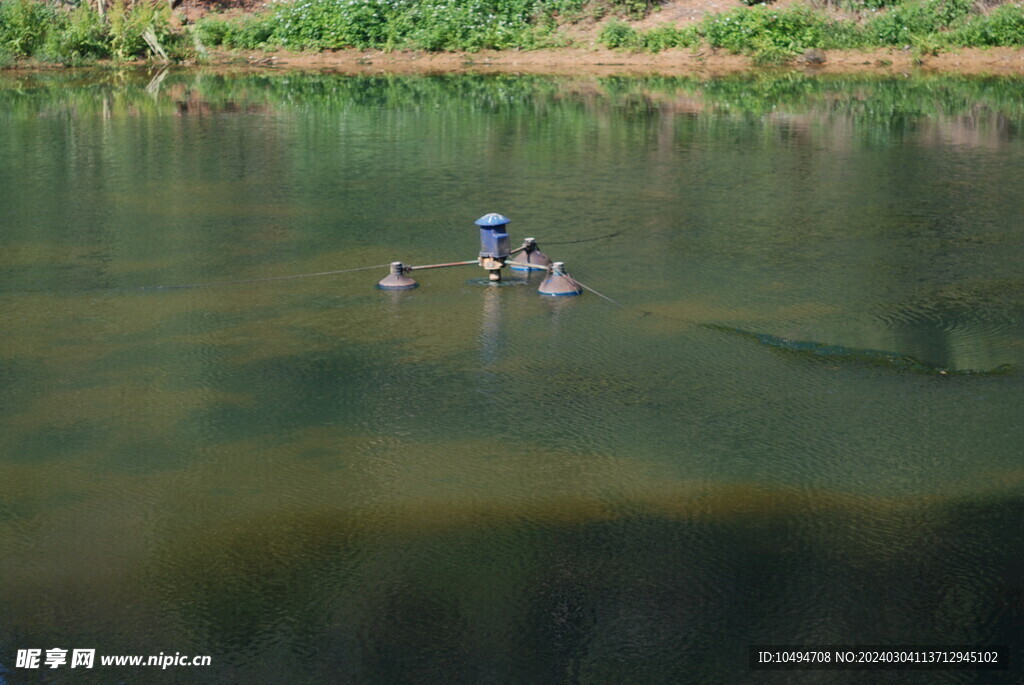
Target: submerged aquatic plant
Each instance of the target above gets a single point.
(834, 352)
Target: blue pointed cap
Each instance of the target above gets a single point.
(492, 219)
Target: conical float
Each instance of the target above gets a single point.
(559, 283)
(397, 280)
(530, 254)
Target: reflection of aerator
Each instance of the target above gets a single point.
(494, 256)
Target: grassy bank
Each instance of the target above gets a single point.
(34, 29)
(771, 35)
(51, 33)
(767, 34)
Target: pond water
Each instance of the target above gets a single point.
(799, 422)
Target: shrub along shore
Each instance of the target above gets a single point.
(35, 31)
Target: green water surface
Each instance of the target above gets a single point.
(799, 422)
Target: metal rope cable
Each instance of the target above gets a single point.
(221, 284)
(582, 285)
(603, 297)
(585, 240)
(218, 284)
(442, 266)
(528, 265)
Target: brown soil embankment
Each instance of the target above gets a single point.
(994, 61)
(588, 58)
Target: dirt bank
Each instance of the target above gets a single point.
(571, 61)
(588, 58)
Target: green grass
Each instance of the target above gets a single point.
(1004, 26)
(433, 25)
(771, 36)
(44, 31)
(31, 29)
